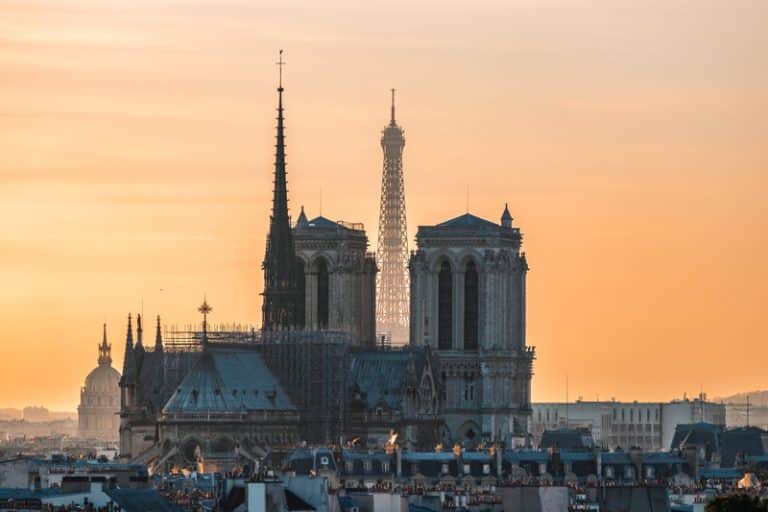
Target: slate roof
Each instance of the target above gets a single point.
(302, 460)
(141, 500)
(380, 375)
(228, 379)
(364, 455)
(616, 458)
(662, 458)
(697, 434)
(525, 455)
(294, 502)
(468, 221)
(721, 473)
(7, 494)
(428, 456)
(468, 225)
(744, 441)
(567, 439)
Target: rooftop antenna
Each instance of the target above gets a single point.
(747, 410)
(321, 201)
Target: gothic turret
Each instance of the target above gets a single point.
(158, 337)
(506, 217)
(302, 221)
(282, 295)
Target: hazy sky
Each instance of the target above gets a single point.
(630, 139)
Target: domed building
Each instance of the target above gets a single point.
(99, 410)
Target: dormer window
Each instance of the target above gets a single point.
(350, 466)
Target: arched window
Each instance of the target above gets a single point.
(300, 280)
(322, 293)
(444, 306)
(471, 297)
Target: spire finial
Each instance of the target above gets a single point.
(205, 309)
(280, 63)
(393, 106)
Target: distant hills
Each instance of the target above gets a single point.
(756, 398)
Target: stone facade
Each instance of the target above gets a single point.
(468, 303)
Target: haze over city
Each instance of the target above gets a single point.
(136, 160)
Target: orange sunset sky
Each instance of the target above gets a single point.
(630, 139)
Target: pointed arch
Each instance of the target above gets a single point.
(445, 306)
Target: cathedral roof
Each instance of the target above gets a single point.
(229, 380)
(381, 376)
(467, 221)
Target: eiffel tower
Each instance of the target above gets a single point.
(392, 281)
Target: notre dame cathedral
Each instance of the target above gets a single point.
(316, 372)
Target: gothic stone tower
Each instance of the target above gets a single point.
(468, 302)
(338, 276)
(392, 251)
(282, 307)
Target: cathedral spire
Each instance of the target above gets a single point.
(129, 363)
(281, 290)
(105, 349)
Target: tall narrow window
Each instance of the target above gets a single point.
(322, 294)
(445, 307)
(300, 281)
(471, 296)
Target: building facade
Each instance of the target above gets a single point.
(98, 412)
(468, 304)
(649, 426)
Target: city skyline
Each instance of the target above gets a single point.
(131, 180)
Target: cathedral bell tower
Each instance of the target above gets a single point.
(282, 305)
